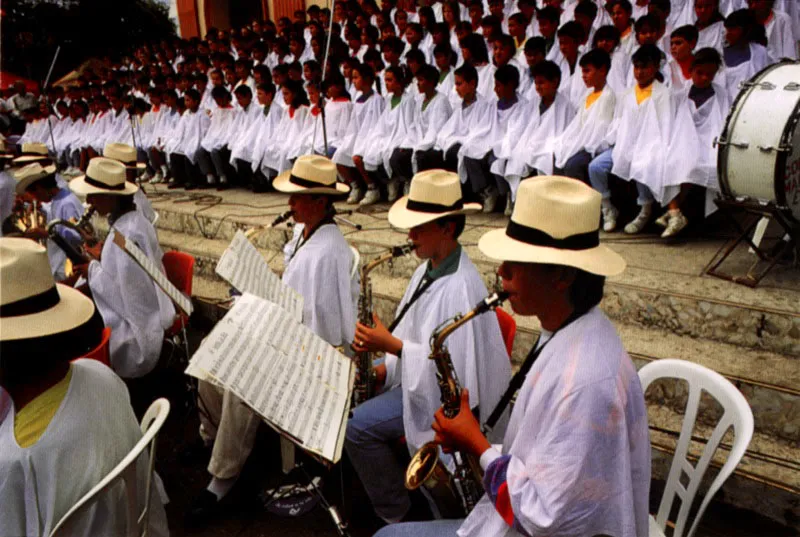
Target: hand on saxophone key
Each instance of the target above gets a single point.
(462, 432)
(376, 339)
(94, 251)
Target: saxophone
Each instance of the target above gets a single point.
(365, 386)
(82, 226)
(456, 494)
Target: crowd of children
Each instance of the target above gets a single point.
(498, 91)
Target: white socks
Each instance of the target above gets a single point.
(221, 487)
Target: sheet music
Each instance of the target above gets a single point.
(244, 268)
(287, 374)
(160, 279)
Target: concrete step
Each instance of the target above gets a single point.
(662, 287)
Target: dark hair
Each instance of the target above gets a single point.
(507, 74)
(647, 55)
(364, 71)
(399, 72)
(548, 13)
(267, 87)
(520, 18)
(707, 56)
(586, 8)
(445, 48)
(586, 291)
(219, 92)
(573, 30)
(624, 4)
(299, 93)
(688, 32)
(663, 5)
(604, 33)
(536, 44)
(428, 73)
(476, 45)
(243, 91)
(547, 70)
(394, 44)
(467, 72)
(459, 220)
(647, 20)
(505, 40)
(415, 55)
(597, 58)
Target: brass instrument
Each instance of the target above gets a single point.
(75, 255)
(456, 494)
(28, 217)
(365, 386)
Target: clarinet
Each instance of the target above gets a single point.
(460, 491)
(365, 385)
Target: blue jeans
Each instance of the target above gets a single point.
(377, 424)
(434, 528)
(600, 169)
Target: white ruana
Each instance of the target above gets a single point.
(320, 271)
(188, 133)
(285, 139)
(337, 118)
(462, 123)
(645, 135)
(425, 125)
(485, 81)
(476, 349)
(92, 432)
(362, 117)
(388, 133)
(572, 85)
(267, 127)
(708, 122)
(238, 137)
(578, 442)
(216, 137)
(781, 41)
(588, 129)
(131, 304)
(165, 125)
(534, 149)
(118, 129)
(759, 59)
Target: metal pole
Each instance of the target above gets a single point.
(47, 100)
(321, 96)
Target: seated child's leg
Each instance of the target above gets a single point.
(400, 162)
(645, 196)
(599, 169)
(245, 172)
(206, 166)
(451, 158)
(476, 175)
(429, 159)
(577, 166)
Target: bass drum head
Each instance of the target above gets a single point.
(787, 173)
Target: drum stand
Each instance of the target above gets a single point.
(765, 258)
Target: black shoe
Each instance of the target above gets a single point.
(203, 508)
(173, 186)
(190, 186)
(223, 186)
(258, 188)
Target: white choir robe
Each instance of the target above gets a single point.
(712, 37)
(285, 139)
(131, 304)
(144, 206)
(781, 41)
(490, 135)
(486, 81)
(447, 87)
(320, 272)
(576, 452)
(238, 138)
(61, 134)
(759, 59)
(362, 117)
(189, 132)
(118, 130)
(515, 128)
(93, 430)
(645, 137)
(462, 123)
(79, 140)
(425, 125)
(216, 137)
(534, 149)
(708, 121)
(267, 126)
(588, 129)
(572, 84)
(477, 350)
(34, 131)
(388, 133)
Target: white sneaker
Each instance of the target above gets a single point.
(157, 178)
(392, 190)
(663, 220)
(509, 205)
(145, 178)
(490, 197)
(355, 195)
(610, 215)
(676, 224)
(372, 196)
(638, 223)
(406, 187)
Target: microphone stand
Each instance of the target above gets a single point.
(47, 101)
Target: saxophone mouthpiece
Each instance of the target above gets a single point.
(281, 218)
(491, 302)
(398, 251)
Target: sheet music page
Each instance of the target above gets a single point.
(160, 279)
(243, 266)
(297, 382)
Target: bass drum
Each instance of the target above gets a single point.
(758, 156)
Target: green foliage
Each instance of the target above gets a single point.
(31, 30)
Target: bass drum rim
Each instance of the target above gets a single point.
(779, 174)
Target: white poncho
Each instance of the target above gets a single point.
(389, 132)
(588, 129)
(362, 117)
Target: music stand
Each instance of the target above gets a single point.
(765, 259)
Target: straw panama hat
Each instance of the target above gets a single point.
(433, 194)
(556, 220)
(27, 175)
(124, 154)
(103, 176)
(32, 152)
(31, 303)
(311, 174)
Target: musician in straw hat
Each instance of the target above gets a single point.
(40, 183)
(131, 304)
(445, 284)
(126, 154)
(319, 266)
(70, 421)
(575, 459)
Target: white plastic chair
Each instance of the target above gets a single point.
(126, 470)
(736, 414)
(356, 262)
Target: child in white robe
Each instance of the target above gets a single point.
(781, 41)
(286, 136)
(504, 53)
(215, 139)
(570, 37)
(366, 110)
(585, 136)
(162, 134)
(743, 58)
(244, 133)
(445, 61)
(478, 149)
(184, 143)
(533, 151)
(430, 113)
(475, 53)
(710, 24)
(704, 104)
(534, 53)
(272, 113)
(683, 41)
